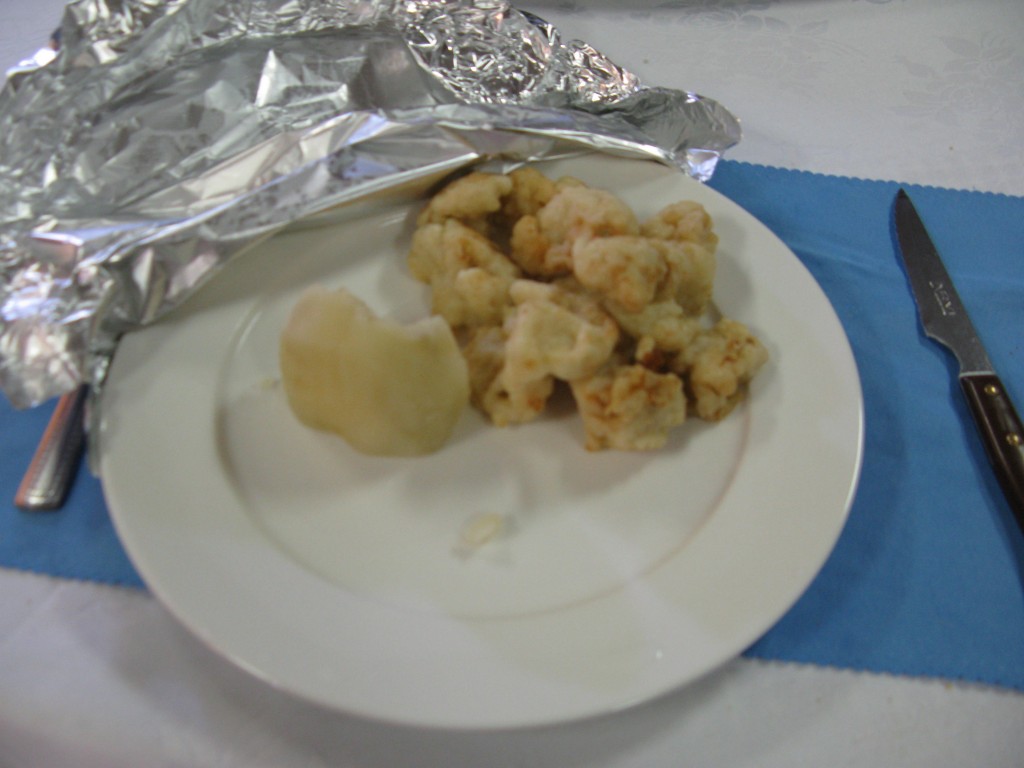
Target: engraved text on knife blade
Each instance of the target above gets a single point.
(942, 298)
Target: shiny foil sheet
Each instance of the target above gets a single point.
(168, 136)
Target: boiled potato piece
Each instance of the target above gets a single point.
(388, 389)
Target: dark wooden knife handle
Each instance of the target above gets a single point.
(1002, 433)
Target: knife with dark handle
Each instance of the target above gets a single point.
(945, 320)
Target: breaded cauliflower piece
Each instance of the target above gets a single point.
(662, 325)
(634, 271)
(557, 330)
(542, 244)
(629, 408)
(485, 356)
(469, 276)
(531, 191)
(625, 269)
(690, 275)
(553, 333)
(528, 248)
(684, 221)
(471, 199)
(722, 362)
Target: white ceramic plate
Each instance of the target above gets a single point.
(338, 577)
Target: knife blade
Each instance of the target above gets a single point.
(945, 319)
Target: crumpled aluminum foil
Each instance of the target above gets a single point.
(167, 136)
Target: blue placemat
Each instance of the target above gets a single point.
(76, 542)
(927, 576)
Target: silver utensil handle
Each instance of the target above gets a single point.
(1002, 433)
(46, 482)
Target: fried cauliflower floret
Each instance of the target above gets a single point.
(625, 269)
(690, 275)
(553, 333)
(542, 244)
(485, 357)
(528, 247)
(557, 330)
(722, 361)
(661, 325)
(469, 276)
(471, 199)
(633, 272)
(684, 221)
(629, 408)
(531, 191)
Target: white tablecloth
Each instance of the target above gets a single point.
(924, 91)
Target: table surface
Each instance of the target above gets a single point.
(918, 91)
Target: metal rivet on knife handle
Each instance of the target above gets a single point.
(1001, 429)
